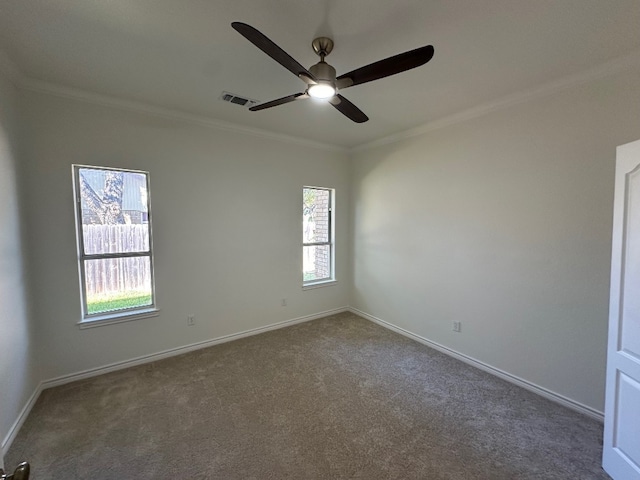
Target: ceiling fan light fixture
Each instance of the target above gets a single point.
(321, 91)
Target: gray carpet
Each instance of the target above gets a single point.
(336, 398)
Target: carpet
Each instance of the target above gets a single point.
(336, 398)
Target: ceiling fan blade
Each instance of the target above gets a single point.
(273, 50)
(384, 68)
(348, 109)
(279, 101)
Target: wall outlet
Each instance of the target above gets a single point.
(191, 320)
(457, 327)
(283, 302)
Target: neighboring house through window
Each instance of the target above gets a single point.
(317, 235)
(115, 248)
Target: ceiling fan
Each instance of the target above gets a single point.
(321, 79)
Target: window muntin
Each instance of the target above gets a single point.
(113, 229)
(317, 235)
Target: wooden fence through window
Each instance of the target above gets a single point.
(106, 276)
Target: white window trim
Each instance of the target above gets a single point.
(319, 284)
(325, 282)
(118, 316)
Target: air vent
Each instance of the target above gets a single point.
(237, 99)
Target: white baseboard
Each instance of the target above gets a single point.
(54, 382)
(93, 372)
(532, 387)
(15, 428)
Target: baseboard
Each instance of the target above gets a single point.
(153, 357)
(532, 387)
(15, 428)
(93, 372)
(17, 425)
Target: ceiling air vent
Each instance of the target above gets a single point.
(237, 99)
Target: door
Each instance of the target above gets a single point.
(621, 449)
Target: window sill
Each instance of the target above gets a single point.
(324, 283)
(110, 319)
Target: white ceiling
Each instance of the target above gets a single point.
(181, 54)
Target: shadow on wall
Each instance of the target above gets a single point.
(17, 352)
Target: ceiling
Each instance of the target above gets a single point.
(181, 54)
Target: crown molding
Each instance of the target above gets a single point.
(9, 69)
(61, 91)
(615, 66)
(606, 69)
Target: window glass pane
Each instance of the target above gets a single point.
(316, 262)
(113, 284)
(315, 215)
(114, 211)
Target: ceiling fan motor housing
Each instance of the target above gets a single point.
(324, 71)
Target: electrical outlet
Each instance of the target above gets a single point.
(191, 320)
(457, 327)
(283, 302)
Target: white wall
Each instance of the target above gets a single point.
(18, 363)
(227, 228)
(503, 223)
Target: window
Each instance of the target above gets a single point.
(317, 235)
(115, 253)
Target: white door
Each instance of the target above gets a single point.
(621, 449)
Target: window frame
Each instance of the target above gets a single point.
(126, 314)
(331, 279)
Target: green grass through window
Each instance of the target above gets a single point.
(119, 301)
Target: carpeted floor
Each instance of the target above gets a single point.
(336, 398)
